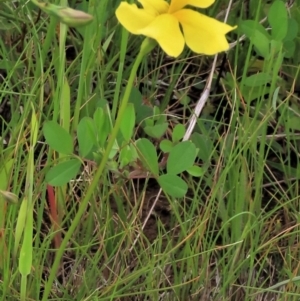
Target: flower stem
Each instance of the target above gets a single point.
(146, 47)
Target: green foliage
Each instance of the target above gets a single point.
(173, 185)
(283, 30)
(258, 80)
(181, 157)
(178, 133)
(81, 165)
(274, 46)
(147, 154)
(128, 123)
(58, 138)
(278, 20)
(86, 134)
(63, 172)
(156, 125)
(205, 146)
(91, 135)
(258, 36)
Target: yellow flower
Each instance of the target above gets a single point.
(172, 25)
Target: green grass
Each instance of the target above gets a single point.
(235, 233)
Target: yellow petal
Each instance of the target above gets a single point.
(157, 6)
(133, 18)
(203, 34)
(179, 4)
(166, 31)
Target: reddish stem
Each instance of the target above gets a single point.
(54, 216)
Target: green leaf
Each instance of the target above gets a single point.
(275, 47)
(63, 172)
(257, 35)
(149, 122)
(181, 157)
(128, 122)
(156, 131)
(251, 94)
(166, 145)
(293, 123)
(25, 260)
(21, 220)
(115, 149)
(289, 48)
(204, 144)
(250, 28)
(157, 116)
(184, 99)
(102, 126)
(5, 173)
(142, 111)
(147, 154)
(275, 98)
(195, 171)
(261, 43)
(58, 138)
(127, 155)
(173, 185)
(292, 31)
(34, 126)
(178, 132)
(257, 80)
(86, 136)
(278, 20)
(99, 118)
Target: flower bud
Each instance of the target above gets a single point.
(73, 17)
(69, 16)
(9, 196)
